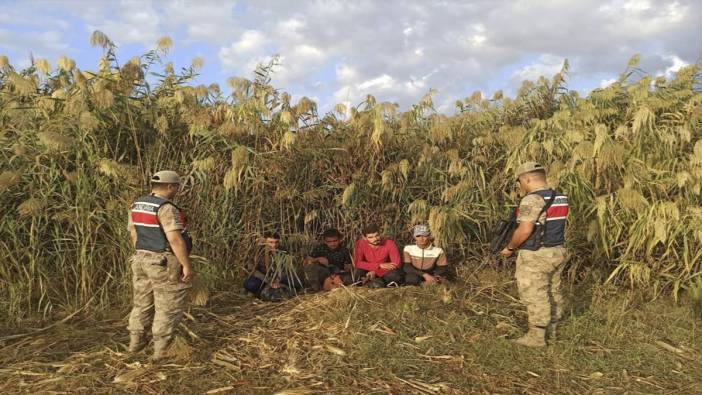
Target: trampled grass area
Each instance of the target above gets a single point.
(394, 341)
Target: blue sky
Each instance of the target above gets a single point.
(339, 51)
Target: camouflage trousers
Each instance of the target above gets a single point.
(538, 280)
(159, 296)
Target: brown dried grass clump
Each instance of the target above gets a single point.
(55, 141)
(8, 179)
(30, 207)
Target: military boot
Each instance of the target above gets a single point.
(137, 342)
(160, 349)
(535, 337)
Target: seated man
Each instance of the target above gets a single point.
(424, 264)
(377, 260)
(328, 263)
(264, 281)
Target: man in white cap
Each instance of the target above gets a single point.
(540, 239)
(161, 267)
(423, 263)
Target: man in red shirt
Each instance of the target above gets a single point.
(377, 260)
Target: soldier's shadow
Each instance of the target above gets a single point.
(580, 292)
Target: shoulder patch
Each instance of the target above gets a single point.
(525, 209)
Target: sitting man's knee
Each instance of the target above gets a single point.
(413, 279)
(253, 285)
(395, 276)
(376, 283)
(347, 278)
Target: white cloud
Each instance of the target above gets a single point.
(20, 14)
(145, 21)
(345, 72)
(396, 49)
(291, 29)
(204, 20)
(478, 40)
(675, 66)
(607, 82)
(40, 44)
(308, 51)
(382, 82)
(414, 86)
(250, 45)
(546, 66)
(126, 22)
(641, 17)
(301, 62)
(637, 5)
(250, 41)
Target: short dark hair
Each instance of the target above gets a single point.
(331, 233)
(271, 235)
(368, 229)
(540, 173)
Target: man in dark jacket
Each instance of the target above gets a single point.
(329, 259)
(270, 277)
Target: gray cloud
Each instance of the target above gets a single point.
(398, 50)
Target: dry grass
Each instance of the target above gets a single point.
(392, 341)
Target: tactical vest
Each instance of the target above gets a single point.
(150, 235)
(552, 232)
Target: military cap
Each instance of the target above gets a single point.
(165, 177)
(527, 167)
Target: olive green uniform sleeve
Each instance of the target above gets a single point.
(169, 217)
(530, 208)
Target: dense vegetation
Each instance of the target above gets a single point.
(78, 146)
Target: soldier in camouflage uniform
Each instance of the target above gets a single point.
(540, 236)
(161, 268)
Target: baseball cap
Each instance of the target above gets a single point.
(165, 177)
(421, 230)
(527, 167)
